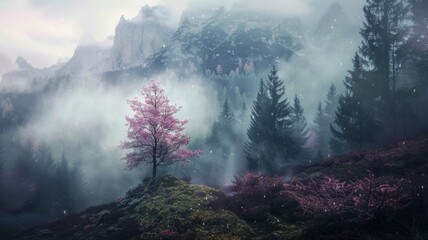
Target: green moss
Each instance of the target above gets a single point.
(183, 208)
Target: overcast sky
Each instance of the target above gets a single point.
(43, 31)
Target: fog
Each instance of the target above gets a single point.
(95, 112)
(84, 118)
(310, 73)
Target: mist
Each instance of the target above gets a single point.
(95, 112)
(82, 117)
(69, 69)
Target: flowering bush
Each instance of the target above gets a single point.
(168, 234)
(363, 198)
(328, 196)
(253, 196)
(256, 185)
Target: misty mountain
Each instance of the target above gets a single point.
(134, 41)
(86, 59)
(22, 63)
(207, 39)
(27, 77)
(139, 38)
(204, 40)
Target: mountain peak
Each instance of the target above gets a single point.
(122, 19)
(23, 63)
(142, 36)
(155, 13)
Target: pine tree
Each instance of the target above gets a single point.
(2, 158)
(355, 127)
(300, 129)
(330, 104)
(321, 132)
(44, 179)
(280, 125)
(323, 118)
(2, 166)
(24, 162)
(221, 143)
(271, 143)
(213, 138)
(417, 45)
(224, 124)
(76, 186)
(62, 201)
(257, 131)
(384, 32)
(226, 114)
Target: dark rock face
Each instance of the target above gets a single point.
(166, 208)
(139, 38)
(207, 39)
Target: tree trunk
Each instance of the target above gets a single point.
(154, 161)
(154, 170)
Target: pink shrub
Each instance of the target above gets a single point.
(256, 184)
(254, 195)
(363, 198)
(328, 196)
(168, 234)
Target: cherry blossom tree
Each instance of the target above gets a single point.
(154, 135)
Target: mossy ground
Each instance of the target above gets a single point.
(148, 211)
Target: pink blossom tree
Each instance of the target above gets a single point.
(154, 134)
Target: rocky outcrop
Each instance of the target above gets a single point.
(139, 38)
